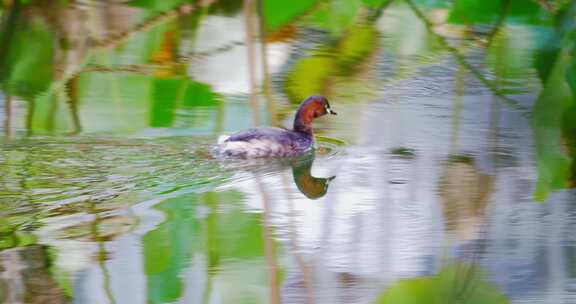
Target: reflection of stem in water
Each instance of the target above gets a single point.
(459, 87)
(462, 61)
(271, 263)
(266, 82)
(209, 242)
(307, 277)
(251, 50)
(101, 257)
(105, 272)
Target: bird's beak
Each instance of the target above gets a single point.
(330, 111)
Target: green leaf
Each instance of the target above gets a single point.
(169, 93)
(166, 93)
(200, 94)
(549, 110)
(312, 75)
(337, 16)
(309, 76)
(158, 5)
(474, 11)
(279, 13)
(358, 43)
(374, 3)
(488, 11)
(555, 113)
(28, 65)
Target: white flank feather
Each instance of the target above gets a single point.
(252, 148)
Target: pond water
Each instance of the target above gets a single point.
(447, 176)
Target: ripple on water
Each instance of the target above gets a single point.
(56, 172)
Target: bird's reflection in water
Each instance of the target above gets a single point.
(312, 187)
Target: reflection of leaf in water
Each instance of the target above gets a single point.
(168, 249)
(460, 283)
(223, 235)
(404, 153)
(465, 193)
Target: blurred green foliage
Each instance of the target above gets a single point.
(352, 40)
(488, 12)
(27, 57)
(555, 110)
(279, 13)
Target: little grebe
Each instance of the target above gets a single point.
(273, 142)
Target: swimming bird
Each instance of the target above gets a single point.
(277, 142)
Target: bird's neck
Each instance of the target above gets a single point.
(303, 120)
